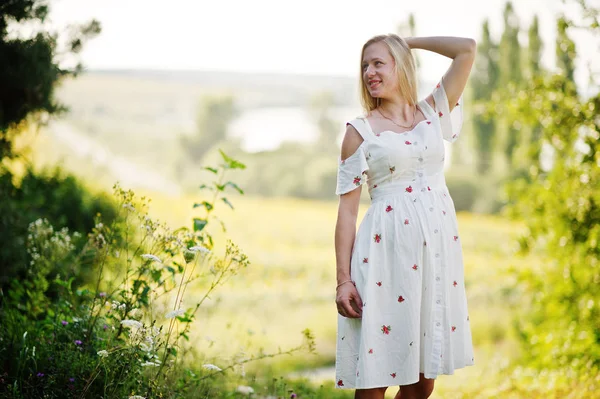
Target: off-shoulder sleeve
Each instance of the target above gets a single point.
(352, 171)
(451, 122)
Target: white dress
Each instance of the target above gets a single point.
(407, 259)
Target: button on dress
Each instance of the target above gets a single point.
(407, 259)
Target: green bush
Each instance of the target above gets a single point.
(53, 195)
(126, 334)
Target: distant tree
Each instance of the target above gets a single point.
(484, 81)
(215, 113)
(534, 58)
(565, 50)
(30, 66)
(510, 73)
(320, 111)
(534, 70)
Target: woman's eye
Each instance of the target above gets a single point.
(378, 62)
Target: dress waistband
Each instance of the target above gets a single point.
(409, 186)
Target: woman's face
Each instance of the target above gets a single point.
(378, 71)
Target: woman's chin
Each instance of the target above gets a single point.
(375, 93)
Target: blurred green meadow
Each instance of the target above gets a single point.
(523, 178)
(290, 286)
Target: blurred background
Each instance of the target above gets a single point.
(146, 93)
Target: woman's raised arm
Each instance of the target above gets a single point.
(461, 50)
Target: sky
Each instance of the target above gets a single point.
(321, 37)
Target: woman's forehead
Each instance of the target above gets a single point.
(376, 50)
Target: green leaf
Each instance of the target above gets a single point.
(225, 200)
(215, 171)
(199, 224)
(156, 275)
(235, 186)
(205, 204)
(231, 163)
(205, 187)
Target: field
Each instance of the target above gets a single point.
(290, 286)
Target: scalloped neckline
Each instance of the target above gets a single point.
(397, 133)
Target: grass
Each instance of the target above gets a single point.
(290, 285)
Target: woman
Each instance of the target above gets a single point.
(400, 295)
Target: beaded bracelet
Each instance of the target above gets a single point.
(344, 282)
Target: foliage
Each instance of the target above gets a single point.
(63, 200)
(30, 67)
(126, 333)
(560, 203)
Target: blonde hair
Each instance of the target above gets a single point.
(404, 67)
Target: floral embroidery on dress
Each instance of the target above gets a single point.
(382, 250)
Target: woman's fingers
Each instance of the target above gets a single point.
(349, 310)
(349, 303)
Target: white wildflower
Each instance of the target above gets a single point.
(128, 206)
(174, 313)
(199, 248)
(150, 364)
(211, 367)
(103, 353)
(244, 389)
(145, 347)
(131, 323)
(137, 397)
(152, 257)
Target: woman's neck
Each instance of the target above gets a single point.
(397, 109)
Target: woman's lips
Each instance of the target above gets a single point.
(373, 84)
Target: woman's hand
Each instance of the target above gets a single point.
(348, 301)
(462, 52)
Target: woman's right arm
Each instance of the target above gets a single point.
(348, 300)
